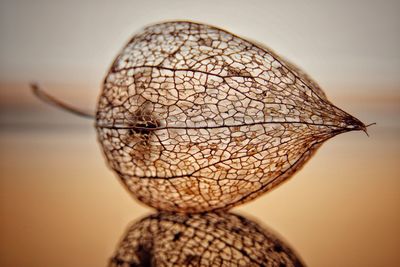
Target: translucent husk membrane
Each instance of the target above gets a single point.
(193, 118)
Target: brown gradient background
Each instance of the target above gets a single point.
(61, 206)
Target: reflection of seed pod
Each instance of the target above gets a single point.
(205, 239)
(193, 118)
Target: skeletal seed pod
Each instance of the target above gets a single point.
(206, 239)
(193, 118)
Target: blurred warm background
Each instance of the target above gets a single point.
(61, 206)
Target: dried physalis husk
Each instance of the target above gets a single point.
(205, 239)
(193, 118)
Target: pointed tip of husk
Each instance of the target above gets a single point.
(354, 124)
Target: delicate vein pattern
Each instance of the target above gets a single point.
(193, 118)
(206, 239)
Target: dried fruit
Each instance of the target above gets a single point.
(193, 118)
(207, 239)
